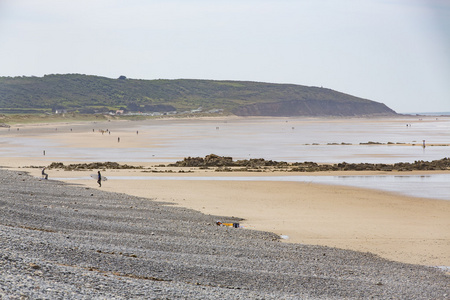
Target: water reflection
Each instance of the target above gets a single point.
(280, 139)
(437, 185)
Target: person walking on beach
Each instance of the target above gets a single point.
(99, 179)
(45, 175)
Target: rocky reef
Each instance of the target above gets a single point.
(227, 164)
(213, 160)
(91, 166)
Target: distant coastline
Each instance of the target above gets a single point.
(86, 94)
(445, 113)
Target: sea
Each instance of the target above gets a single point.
(324, 140)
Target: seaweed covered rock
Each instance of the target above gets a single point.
(91, 166)
(213, 160)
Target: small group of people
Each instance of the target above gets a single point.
(99, 176)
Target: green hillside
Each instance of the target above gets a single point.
(87, 94)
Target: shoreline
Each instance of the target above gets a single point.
(397, 227)
(348, 226)
(111, 121)
(401, 228)
(38, 119)
(65, 241)
(158, 135)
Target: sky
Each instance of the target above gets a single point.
(392, 51)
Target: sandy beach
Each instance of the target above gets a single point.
(68, 241)
(396, 227)
(399, 228)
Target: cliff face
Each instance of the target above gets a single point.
(314, 108)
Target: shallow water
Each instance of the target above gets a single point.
(280, 139)
(410, 185)
(308, 140)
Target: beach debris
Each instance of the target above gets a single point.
(34, 266)
(234, 225)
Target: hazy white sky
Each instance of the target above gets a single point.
(391, 51)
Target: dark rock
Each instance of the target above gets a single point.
(221, 162)
(91, 166)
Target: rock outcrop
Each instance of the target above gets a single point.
(91, 166)
(213, 160)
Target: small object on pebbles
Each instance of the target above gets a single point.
(34, 266)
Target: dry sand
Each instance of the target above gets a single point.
(396, 227)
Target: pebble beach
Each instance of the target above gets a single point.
(67, 241)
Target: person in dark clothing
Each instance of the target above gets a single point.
(99, 179)
(45, 175)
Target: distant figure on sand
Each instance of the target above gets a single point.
(45, 175)
(99, 179)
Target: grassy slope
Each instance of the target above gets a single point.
(75, 91)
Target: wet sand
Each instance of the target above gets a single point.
(400, 228)
(280, 139)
